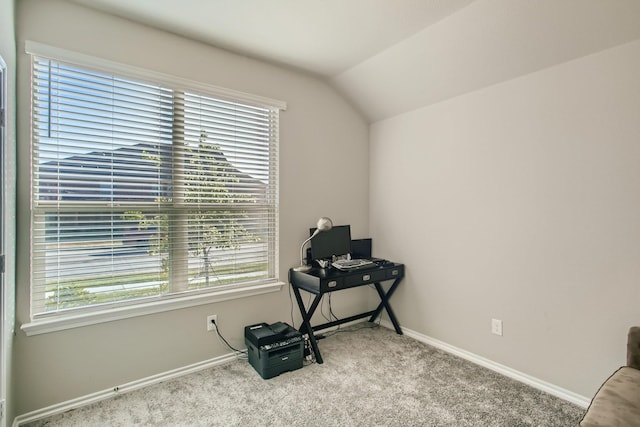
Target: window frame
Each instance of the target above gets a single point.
(92, 315)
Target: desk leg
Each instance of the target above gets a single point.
(306, 322)
(392, 289)
(384, 302)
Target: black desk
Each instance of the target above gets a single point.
(320, 281)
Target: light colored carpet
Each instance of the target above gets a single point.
(370, 377)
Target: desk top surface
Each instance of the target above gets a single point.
(330, 272)
(319, 280)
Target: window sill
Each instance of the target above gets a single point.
(85, 319)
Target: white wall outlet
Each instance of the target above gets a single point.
(212, 322)
(496, 326)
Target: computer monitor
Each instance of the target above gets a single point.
(361, 248)
(336, 241)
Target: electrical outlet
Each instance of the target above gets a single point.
(496, 326)
(212, 322)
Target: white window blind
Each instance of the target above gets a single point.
(142, 191)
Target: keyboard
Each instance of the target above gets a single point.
(352, 264)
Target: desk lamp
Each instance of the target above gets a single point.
(324, 224)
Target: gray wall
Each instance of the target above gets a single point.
(8, 53)
(520, 202)
(59, 366)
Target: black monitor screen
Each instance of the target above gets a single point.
(336, 241)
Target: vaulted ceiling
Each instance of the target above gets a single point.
(393, 56)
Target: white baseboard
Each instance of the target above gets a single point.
(125, 388)
(165, 376)
(497, 367)
(79, 402)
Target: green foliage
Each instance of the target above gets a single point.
(211, 214)
(78, 293)
(207, 180)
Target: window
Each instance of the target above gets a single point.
(144, 191)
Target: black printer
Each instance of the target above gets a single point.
(274, 348)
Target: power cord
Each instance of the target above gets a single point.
(241, 354)
(293, 323)
(310, 357)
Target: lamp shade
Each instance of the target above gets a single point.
(324, 224)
